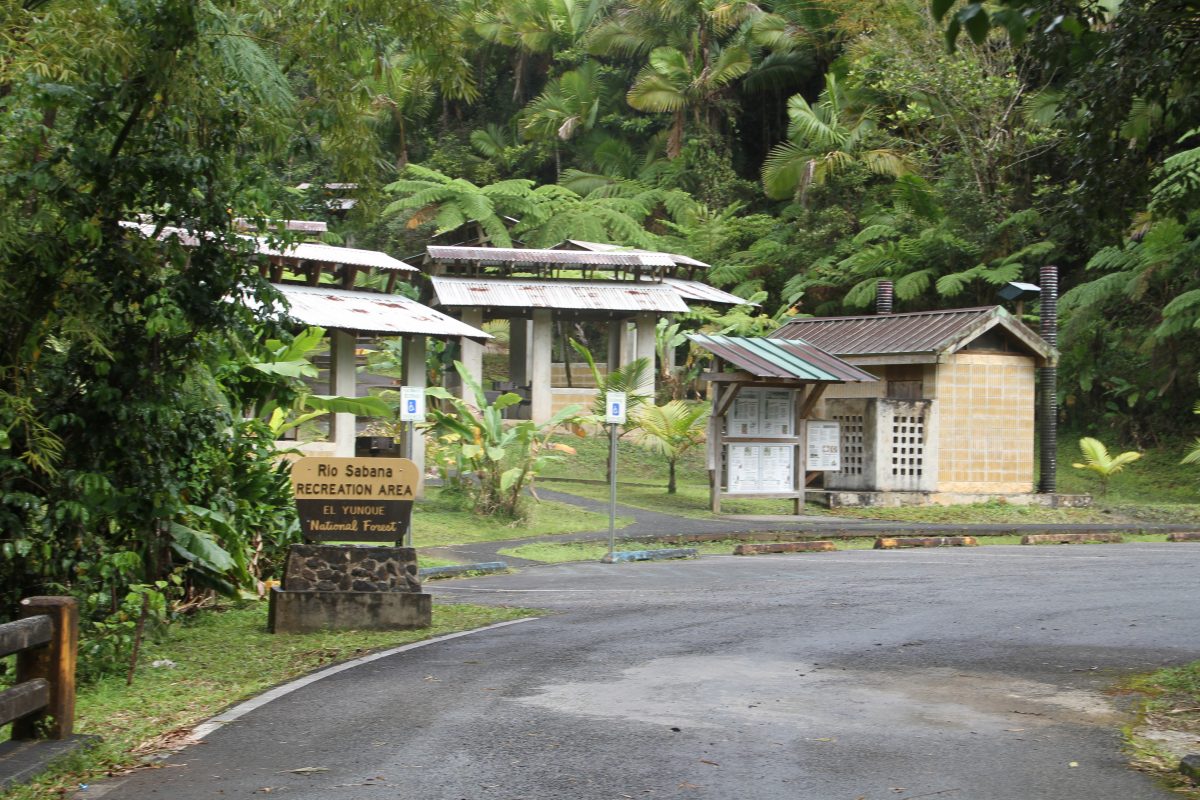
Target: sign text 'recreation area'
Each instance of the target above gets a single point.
(354, 499)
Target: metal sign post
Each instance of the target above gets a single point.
(614, 415)
(412, 410)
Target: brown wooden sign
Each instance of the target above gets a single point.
(354, 499)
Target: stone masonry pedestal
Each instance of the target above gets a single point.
(349, 587)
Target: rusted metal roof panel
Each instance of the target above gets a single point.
(599, 247)
(782, 359)
(574, 295)
(703, 293)
(371, 312)
(515, 255)
(922, 332)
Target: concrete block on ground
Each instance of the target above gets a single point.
(1184, 536)
(893, 543)
(21, 762)
(1189, 765)
(650, 555)
(454, 570)
(1071, 538)
(308, 611)
(783, 547)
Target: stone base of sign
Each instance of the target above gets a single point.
(307, 611)
(349, 587)
(836, 499)
(351, 568)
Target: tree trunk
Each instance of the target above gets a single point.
(670, 476)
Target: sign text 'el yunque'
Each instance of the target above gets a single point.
(354, 499)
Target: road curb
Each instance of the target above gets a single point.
(245, 707)
(649, 555)
(1072, 538)
(456, 570)
(894, 543)
(784, 547)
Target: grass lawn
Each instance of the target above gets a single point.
(1155, 489)
(220, 658)
(1168, 707)
(439, 521)
(557, 553)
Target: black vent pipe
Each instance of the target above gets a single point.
(884, 292)
(1048, 386)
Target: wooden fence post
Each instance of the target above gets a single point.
(55, 663)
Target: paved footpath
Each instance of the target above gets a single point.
(648, 525)
(956, 673)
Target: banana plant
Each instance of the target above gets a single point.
(503, 456)
(1097, 459)
(289, 361)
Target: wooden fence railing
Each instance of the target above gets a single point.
(41, 705)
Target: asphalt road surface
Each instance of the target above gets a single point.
(957, 674)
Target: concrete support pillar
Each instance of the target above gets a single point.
(627, 343)
(415, 375)
(472, 353)
(540, 345)
(614, 344)
(518, 351)
(343, 381)
(645, 323)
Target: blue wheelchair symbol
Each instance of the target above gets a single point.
(616, 409)
(412, 406)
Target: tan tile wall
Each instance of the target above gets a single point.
(840, 390)
(985, 440)
(561, 398)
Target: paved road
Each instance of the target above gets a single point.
(969, 674)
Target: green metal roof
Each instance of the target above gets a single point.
(790, 359)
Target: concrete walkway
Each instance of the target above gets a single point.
(652, 525)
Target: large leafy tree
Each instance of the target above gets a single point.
(121, 449)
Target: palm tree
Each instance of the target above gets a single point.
(671, 430)
(1097, 459)
(695, 50)
(536, 28)
(674, 83)
(571, 103)
(402, 94)
(824, 140)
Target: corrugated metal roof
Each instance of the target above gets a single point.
(302, 251)
(600, 247)
(186, 237)
(515, 255)
(577, 295)
(330, 254)
(931, 333)
(775, 358)
(371, 312)
(299, 225)
(702, 292)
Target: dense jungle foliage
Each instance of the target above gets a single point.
(805, 148)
